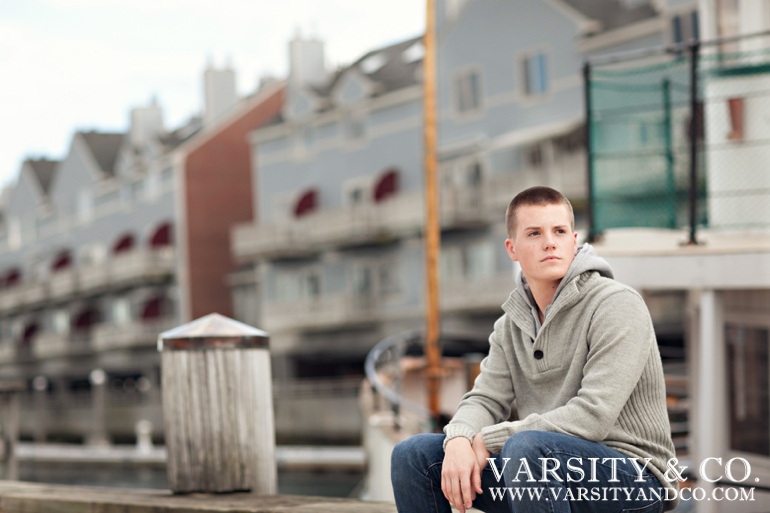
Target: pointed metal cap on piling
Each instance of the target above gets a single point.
(213, 331)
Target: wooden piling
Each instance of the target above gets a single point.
(217, 408)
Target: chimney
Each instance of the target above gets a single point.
(146, 124)
(307, 62)
(220, 93)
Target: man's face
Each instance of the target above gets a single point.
(544, 243)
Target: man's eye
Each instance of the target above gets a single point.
(534, 233)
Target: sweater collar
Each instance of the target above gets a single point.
(521, 306)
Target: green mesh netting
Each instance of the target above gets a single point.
(639, 122)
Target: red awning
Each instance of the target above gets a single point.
(162, 236)
(11, 278)
(152, 308)
(62, 261)
(386, 186)
(306, 203)
(125, 243)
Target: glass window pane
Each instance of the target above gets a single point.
(747, 360)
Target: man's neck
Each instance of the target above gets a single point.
(543, 293)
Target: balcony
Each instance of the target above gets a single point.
(462, 207)
(141, 265)
(7, 352)
(94, 277)
(320, 312)
(62, 283)
(33, 293)
(136, 334)
(476, 294)
(10, 299)
(356, 224)
(50, 345)
(565, 174)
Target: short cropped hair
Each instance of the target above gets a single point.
(537, 195)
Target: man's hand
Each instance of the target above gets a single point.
(481, 452)
(461, 473)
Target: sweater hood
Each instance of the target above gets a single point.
(585, 260)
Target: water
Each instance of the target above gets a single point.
(290, 482)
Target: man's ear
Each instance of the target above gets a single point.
(509, 248)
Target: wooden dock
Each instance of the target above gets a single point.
(18, 497)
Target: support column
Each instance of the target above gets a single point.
(98, 435)
(710, 398)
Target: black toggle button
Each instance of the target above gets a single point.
(538, 355)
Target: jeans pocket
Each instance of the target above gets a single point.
(655, 507)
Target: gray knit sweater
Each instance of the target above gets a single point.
(599, 376)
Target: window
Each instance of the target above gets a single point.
(303, 141)
(684, 27)
(311, 285)
(747, 374)
(121, 311)
(468, 86)
(357, 191)
(297, 285)
(60, 321)
(354, 127)
(389, 281)
(535, 73)
(362, 281)
(85, 206)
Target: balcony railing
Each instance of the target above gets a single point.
(139, 266)
(321, 312)
(460, 206)
(135, 334)
(62, 284)
(50, 345)
(482, 293)
(355, 224)
(7, 352)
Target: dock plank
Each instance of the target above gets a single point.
(18, 497)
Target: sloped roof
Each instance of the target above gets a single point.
(176, 137)
(394, 72)
(612, 14)
(44, 171)
(104, 147)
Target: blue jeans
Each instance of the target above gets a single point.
(525, 487)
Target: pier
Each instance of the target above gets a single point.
(17, 497)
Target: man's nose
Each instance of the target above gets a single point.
(549, 240)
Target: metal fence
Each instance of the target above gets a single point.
(680, 136)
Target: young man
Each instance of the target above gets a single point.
(577, 352)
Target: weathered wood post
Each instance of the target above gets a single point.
(9, 423)
(218, 407)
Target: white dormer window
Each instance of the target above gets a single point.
(373, 63)
(414, 53)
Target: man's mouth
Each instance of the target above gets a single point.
(546, 259)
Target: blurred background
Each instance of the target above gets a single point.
(165, 160)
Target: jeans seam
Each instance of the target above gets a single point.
(432, 490)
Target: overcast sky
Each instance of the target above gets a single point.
(72, 65)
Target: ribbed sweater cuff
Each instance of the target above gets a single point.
(455, 430)
(495, 436)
